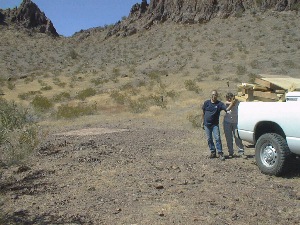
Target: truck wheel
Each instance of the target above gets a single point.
(271, 151)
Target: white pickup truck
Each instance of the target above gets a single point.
(274, 128)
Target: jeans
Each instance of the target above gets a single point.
(230, 130)
(213, 131)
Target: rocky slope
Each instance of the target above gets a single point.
(28, 15)
(144, 15)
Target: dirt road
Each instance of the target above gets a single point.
(143, 175)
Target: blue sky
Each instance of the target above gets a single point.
(70, 16)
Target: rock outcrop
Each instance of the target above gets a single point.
(28, 15)
(144, 15)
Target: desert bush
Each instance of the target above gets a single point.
(290, 64)
(18, 132)
(69, 112)
(254, 64)
(42, 83)
(2, 81)
(172, 94)
(27, 95)
(195, 119)
(157, 100)
(116, 72)
(29, 79)
(252, 78)
(46, 88)
(214, 56)
(118, 97)
(41, 103)
(217, 69)
(155, 75)
(99, 80)
(138, 106)
(61, 97)
(216, 77)
(10, 85)
(241, 70)
(191, 85)
(296, 6)
(73, 54)
(82, 95)
(57, 82)
(127, 86)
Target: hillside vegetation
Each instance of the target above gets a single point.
(168, 60)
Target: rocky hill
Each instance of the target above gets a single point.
(210, 39)
(144, 15)
(29, 16)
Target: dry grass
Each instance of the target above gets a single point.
(180, 64)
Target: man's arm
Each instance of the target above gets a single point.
(232, 103)
(203, 113)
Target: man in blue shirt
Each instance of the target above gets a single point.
(211, 114)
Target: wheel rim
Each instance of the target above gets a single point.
(268, 156)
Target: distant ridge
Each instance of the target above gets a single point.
(144, 15)
(29, 16)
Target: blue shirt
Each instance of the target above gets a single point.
(212, 112)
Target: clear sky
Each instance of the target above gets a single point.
(70, 16)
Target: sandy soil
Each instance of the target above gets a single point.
(142, 173)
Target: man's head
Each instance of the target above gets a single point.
(214, 96)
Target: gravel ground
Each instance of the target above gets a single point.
(143, 175)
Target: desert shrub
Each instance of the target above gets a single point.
(157, 100)
(254, 64)
(57, 82)
(27, 95)
(217, 68)
(127, 86)
(156, 75)
(29, 79)
(10, 85)
(61, 97)
(99, 80)
(69, 112)
(296, 6)
(290, 64)
(196, 120)
(172, 94)
(18, 132)
(252, 78)
(46, 88)
(82, 95)
(41, 103)
(191, 85)
(42, 83)
(141, 83)
(216, 77)
(2, 81)
(241, 70)
(116, 72)
(138, 106)
(73, 54)
(118, 97)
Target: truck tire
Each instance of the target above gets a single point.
(271, 153)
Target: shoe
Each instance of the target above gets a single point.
(242, 155)
(230, 156)
(212, 155)
(221, 156)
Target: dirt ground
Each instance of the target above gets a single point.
(141, 173)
